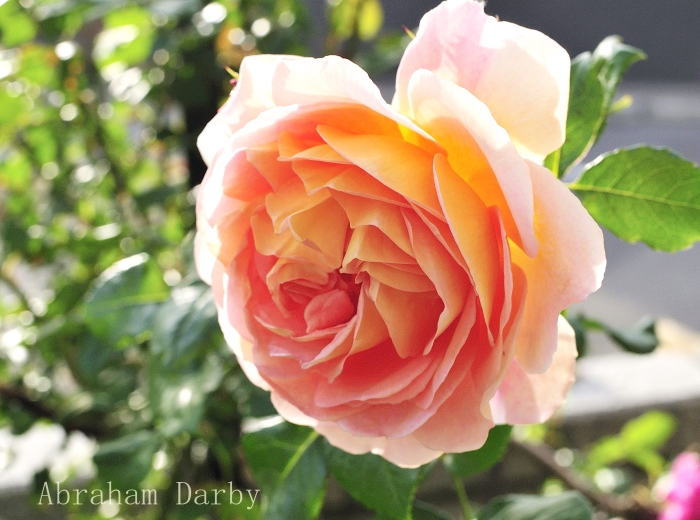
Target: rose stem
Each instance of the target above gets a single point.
(463, 500)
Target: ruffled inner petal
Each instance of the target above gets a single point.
(411, 318)
(399, 165)
(472, 228)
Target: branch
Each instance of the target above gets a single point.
(615, 505)
(39, 409)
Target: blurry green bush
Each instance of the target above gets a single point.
(105, 328)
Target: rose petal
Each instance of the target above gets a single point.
(403, 167)
(520, 74)
(478, 150)
(405, 452)
(252, 95)
(335, 80)
(327, 310)
(526, 398)
(472, 228)
(568, 267)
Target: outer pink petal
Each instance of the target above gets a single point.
(405, 452)
(252, 95)
(269, 81)
(332, 79)
(526, 398)
(520, 74)
(568, 267)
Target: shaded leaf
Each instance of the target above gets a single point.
(471, 462)
(570, 505)
(644, 194)
(376, 482)
(126, 461)
(180, 396)
(125, 298)
(185, 325)
(639, 339)
(287, 461)
(580, 332)
(423, 511)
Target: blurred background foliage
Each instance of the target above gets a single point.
(107, 331)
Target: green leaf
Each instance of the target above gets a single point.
(423, 511)
(128, 37)
(343, 16)
(37, 65)
(185, 325)
(287, 461)
(472, 462)
(376, 482)
(180, 397)
(570, 505)
(594, 81)
(580, 333)
(93, 357)
(16, 26)
(639, 339)
(638, 442)
(16, 172)
(644, 194)
(126, 461)
(648, 432)
(125, 298)
(370, 17)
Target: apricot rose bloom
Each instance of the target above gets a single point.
(394, 274)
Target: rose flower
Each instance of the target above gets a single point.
(683, 494)
(394, 274)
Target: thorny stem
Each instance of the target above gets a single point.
(612, 504)
(463, 500)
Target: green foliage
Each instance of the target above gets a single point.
(126, 461)
(185, 326)
(377, 483)
(639, 339)
(116, 338)
(594, 81)
(288, 463)
(423, 511)
(124, 299)
(361, 17)
(564, 506)
(127, 37)
(16, 27)
(638, 443)
(644, 194)
(472, 462)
